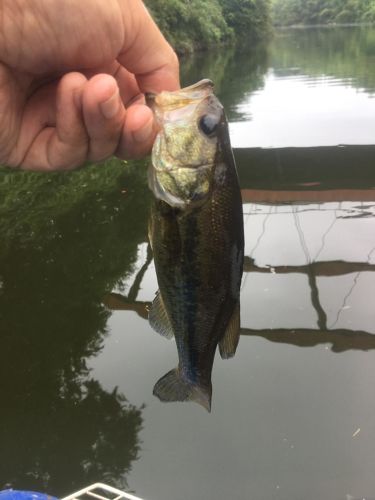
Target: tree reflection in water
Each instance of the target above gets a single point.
(61, 252)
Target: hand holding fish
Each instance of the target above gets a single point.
(72, 80)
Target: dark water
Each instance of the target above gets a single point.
(293, 413)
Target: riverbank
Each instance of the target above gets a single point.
(197, 25)
(319, 12)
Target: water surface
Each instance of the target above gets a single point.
(310, 87)
(292, 413)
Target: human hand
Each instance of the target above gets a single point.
(73, 75)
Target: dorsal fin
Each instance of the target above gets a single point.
(158, 317)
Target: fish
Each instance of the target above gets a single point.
(197, 238)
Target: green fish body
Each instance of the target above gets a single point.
(196, 234)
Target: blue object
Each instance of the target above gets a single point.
(24, 495)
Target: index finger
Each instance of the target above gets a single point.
(145, 52)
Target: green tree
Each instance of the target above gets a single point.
(247, 18)
(289, 12)
(192, 24)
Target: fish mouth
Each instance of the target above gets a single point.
(194, 199)
(169, 101)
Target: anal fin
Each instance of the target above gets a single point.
(158, 318)
(228, 344)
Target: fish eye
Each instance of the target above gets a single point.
(208, 124)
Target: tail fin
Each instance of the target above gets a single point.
(173, 387)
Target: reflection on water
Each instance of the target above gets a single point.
(308, 282)
(309, 87)
(325, 112)
(295, 248)
(76, 276)
(305, 247)
(308, 247)
(341, 54)
(236, 74)
(59, 429)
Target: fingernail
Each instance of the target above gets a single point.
(111, 106)
(144, 133)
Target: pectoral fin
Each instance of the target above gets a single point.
(173, 387)
(228, 344)
(158, 317)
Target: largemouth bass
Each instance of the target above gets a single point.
(196, 234)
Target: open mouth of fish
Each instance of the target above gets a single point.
(181, 98)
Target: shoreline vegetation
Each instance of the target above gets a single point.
(191, 25)
(321, 25)
(302, 13)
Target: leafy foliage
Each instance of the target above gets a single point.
(290, 12)
(247, 18)
(193, 24)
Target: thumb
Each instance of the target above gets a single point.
(146, 53)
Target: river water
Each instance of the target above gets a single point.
(293, 413)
